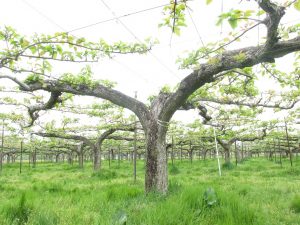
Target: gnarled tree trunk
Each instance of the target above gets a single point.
(156, 177)
(57, 157)
(80, 160)
(70, 158)
(8, 158)
(97, 159)
(80, 155)
(227, 155)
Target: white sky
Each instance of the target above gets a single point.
(144, 74)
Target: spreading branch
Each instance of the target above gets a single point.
(258, 103)
(33, 110)
(65, 136)
(94, 145)
(107, 133)
(225, 61)
(227, 144)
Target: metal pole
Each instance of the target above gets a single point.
(236, 154)
(242, 143)
(279, 149)
(217, 151)
(134, 144)
(21, 156)
(288, 142)
(274, 145)
(2, 146)
(172, 153)
(191, 152)
(119, 154)
(34, 159)
(109, 152)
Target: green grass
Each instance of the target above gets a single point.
(256, 192)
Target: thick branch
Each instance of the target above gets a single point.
(274, 15)
(66, 136)
(97, 90)
(106, 134)
(249, 104)
(22, 85)
(120, 138)
(227, 61)
(33, 110)
(227, 144)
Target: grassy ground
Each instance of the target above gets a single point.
(258, 192)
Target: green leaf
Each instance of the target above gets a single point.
(297, 5)
(208, 2)
(177, 31)
(33, 49)
(233, 22)
(59, 49)
(260, 12)
(80, 40)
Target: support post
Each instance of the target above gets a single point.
(2, 146)
(180, 152)
(191, 152)
(21, 156)
(217, 152)
(119, 155)
(134, 144)
(172, 153)
(236, 154)
(288, 143)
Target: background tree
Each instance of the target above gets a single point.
(212, 65)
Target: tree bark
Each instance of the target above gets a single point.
(80, 160)
(190, 152)
(70, 158)
(238, 155)
(57, 157)
(156, 177)
(80, 155)
(204, 152)
(34, 158)
(97, 160)
(227, 155)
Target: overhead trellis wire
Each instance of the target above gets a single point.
(65, 30)
(136, 38)
(195, 26)
(45, 16)
(118, 17)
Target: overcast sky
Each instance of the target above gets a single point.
(145, 74)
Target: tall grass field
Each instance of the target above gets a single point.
(256, 192)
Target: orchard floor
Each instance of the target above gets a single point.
(257, 192)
